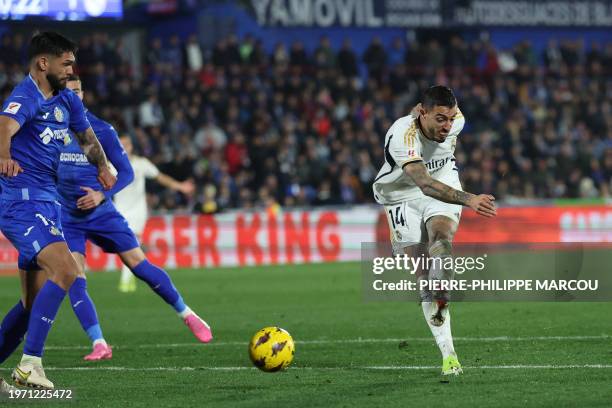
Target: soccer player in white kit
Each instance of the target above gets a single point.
(131, 202)
(420, 189)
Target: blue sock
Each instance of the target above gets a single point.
(12, 330)
(161, 284)
(84, 309)
(44, 310)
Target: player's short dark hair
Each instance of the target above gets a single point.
(438, 95)
(73, 77)
(50, 43)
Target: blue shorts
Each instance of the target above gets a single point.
(30, 225)
(105, 227)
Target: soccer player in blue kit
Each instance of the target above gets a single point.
(34, 127)
(89, 214)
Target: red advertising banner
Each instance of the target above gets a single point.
(237, 239)
(538, 224)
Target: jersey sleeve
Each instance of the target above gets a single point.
(117, 156)
(404, 146)
(457, 124)
(149, 169)
(21, 108)
(78, 118)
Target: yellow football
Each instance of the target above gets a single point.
(271, 349)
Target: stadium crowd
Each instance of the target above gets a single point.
(297, 128)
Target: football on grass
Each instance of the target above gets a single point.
(271, 349)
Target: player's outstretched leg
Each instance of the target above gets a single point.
(444, 339)
(440, 230)
(61, 268)
(160, 282)
(85, 311)
(439, 252)
(127, 280)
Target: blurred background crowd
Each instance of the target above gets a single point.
(293, 127)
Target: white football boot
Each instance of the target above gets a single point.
(29, 374)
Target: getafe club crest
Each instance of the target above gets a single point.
(59, 115)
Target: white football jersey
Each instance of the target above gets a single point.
(404, 143)
(132, 200)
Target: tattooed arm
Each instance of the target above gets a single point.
(95, 155)
(482, 204)
(92, 147)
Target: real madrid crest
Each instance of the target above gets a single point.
(59, 115)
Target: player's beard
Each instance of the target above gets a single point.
(437, 135)
(441, 136)
(434, 134)
(55, 82)
(430, 132)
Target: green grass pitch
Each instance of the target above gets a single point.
(349, 353)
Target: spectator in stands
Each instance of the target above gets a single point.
(262, 128)
(347, 60)
(151, 113)
(375, 58)
(324, 56)
(297, 55)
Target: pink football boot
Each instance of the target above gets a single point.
(198, 327)
(100, 352)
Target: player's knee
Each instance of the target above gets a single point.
(66, 271)
(441, 235)
(66, 280)
(132, 257)
(80, 271)
(80, 261)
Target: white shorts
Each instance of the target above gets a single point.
(136, 216)
(407, 219)
(137, 224)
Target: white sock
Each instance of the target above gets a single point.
(185, 312)
(31, 359)
(99, 341)
(442, 334)
(126, 274)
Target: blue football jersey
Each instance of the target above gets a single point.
(75, 171)
(44, 132)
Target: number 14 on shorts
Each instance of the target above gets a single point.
(396, 216)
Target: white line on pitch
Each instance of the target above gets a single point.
(345, 341)
(495, 367)
(240, 368)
